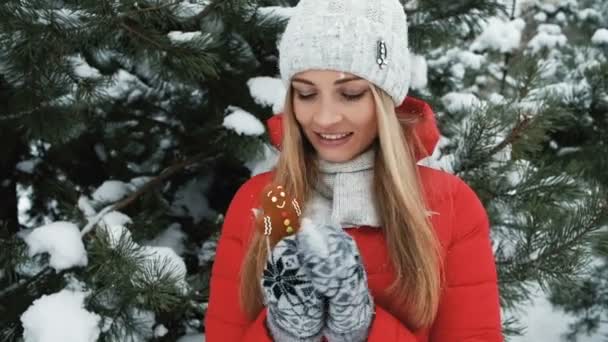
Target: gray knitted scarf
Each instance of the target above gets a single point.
(344, 191)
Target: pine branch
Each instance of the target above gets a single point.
(205, 12)
(153, 8)
(141, 35)
(585, 219)
(515, 133)
(170, 171)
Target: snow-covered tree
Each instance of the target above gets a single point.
(126, 131)
(577, 80)
(529, 93)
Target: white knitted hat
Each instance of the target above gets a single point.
(367, 38)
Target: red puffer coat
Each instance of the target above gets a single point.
(469, 309)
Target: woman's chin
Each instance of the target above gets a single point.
(335, 156)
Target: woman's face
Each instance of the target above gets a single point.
(336, 111)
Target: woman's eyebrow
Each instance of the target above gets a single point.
(348, 79)
(302, 81)
(340, 81)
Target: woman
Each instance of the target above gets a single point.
(387, 250)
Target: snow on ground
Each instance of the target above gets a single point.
(547, 324)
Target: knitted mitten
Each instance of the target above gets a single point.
(332, 259)
(295, 308)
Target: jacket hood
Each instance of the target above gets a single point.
(425, 128)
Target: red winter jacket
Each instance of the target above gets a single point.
(469, 308)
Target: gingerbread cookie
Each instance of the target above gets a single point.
(280, 213)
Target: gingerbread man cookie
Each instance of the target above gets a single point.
(280, 213)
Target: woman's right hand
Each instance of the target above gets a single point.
(295, 308)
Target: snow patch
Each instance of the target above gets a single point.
(455, 101)
(419, 69)
(165, 256)
(540, 17)
(243, 122)
(264, 163)
(116, 218)
(111, 191)
(500, 35)
(549, 36)
(207, 252)
(123, 85)
(60, 317)
(278, 11)
(24, 203)
(114, 233)
(181, 37)
(160, 331)
(600, 36)
(268, 91)
(28, 166)
(192, 338)
(82, 69)
(438, 160)
(85, 205)
(190, 200)
(190, 8)
(63, 243)
(588, 13)
(172, 237)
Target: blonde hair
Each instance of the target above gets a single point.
(412, 245)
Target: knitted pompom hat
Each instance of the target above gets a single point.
(367, 38)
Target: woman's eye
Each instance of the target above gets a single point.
(353, 97)
(305, 96)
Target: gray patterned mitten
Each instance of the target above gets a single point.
(295, 308)
(332, 259)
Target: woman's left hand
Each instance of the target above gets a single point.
(332, 259)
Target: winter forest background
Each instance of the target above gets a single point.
(127, 126)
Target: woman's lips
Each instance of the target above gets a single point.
(333, 142)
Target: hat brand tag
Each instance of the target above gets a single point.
(382, 52)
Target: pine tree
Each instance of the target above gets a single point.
(112, 114)
(532, 78)
(580, 87)
(131, 121)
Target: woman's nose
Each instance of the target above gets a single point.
(326, 116)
